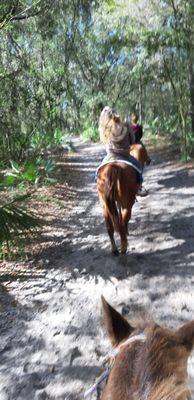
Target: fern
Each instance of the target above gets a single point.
(14, 220)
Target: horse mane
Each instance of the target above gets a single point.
(170, 390)
(167, 389)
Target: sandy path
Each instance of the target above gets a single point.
(52, 342)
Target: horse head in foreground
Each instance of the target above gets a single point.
(117, 181)
(151, 361)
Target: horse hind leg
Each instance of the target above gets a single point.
(126, 215)
(124, 242)
(110, 230)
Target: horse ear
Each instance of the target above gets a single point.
(186, 335)
(117, 327)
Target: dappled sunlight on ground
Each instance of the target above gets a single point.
(52, 341)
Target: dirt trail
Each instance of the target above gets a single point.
(52, 342)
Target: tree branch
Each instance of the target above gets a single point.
(24, 13)
(7, 16)
(11, 15)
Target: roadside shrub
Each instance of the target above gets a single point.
(45, 141)
(91, 133)
(32, 172)
(15, 220)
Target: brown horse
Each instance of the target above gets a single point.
(140, 153)
(149, 362)
(117, 189)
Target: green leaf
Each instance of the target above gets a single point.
(15, 166)
(9, 179)
(30, 173)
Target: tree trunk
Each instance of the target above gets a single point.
(191, 71)
(140, 99)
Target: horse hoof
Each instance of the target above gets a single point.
(115, 252)
(142, 192)
(123, 251)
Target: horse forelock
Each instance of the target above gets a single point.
(142, 320)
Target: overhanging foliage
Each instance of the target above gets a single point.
(61, 61)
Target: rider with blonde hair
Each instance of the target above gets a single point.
(117, 140)
(113, 133)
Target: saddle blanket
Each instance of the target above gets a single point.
(129, 161)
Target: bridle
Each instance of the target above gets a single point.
(110, 359)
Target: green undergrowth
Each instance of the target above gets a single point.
(90, 133)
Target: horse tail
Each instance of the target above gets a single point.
(111, 198)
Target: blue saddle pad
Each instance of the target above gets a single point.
(126, 160)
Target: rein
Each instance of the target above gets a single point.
(111, 356)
